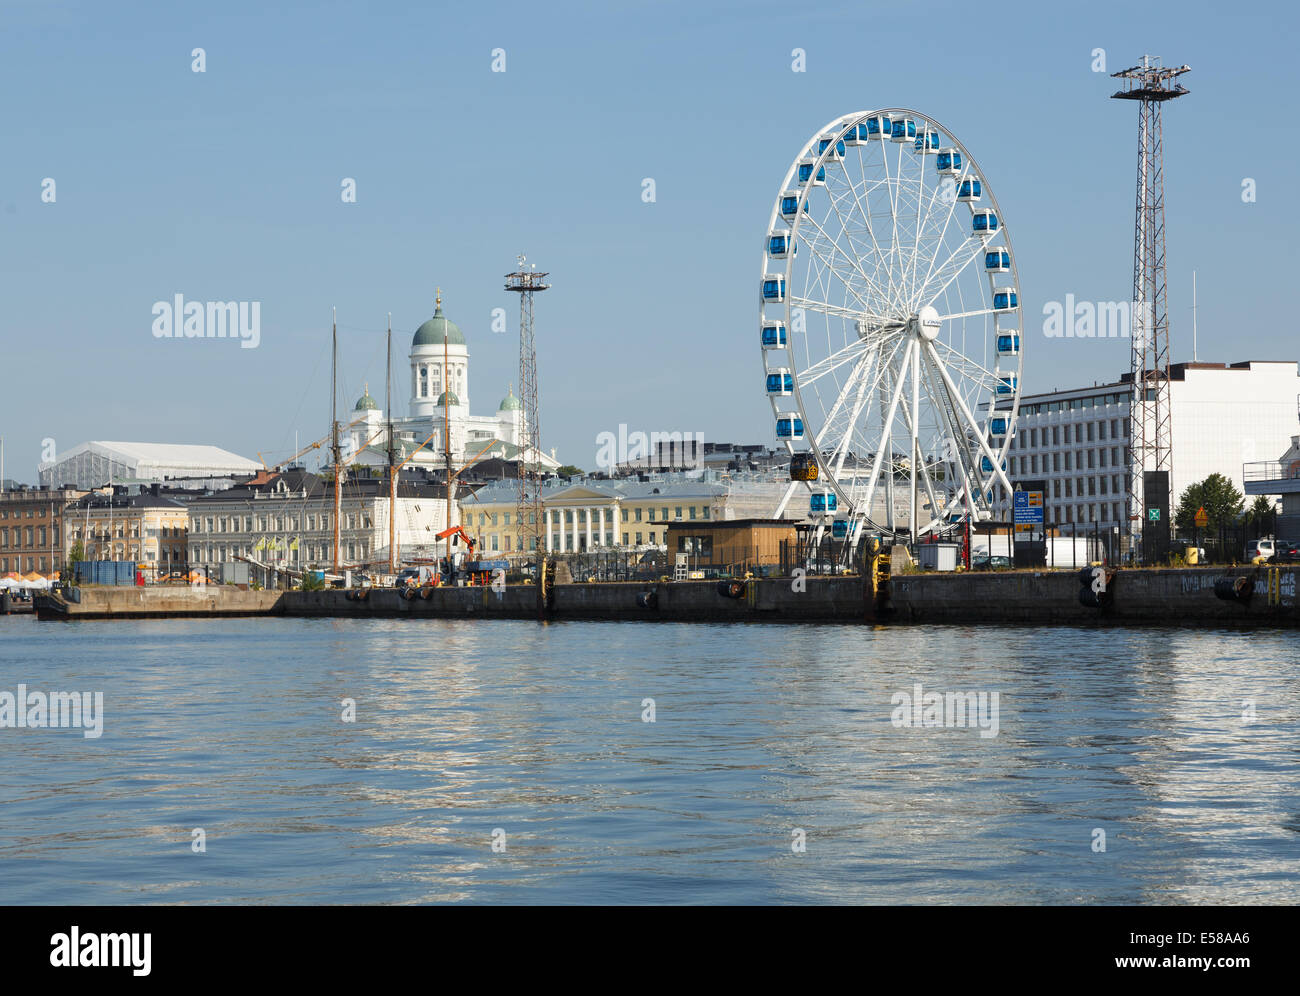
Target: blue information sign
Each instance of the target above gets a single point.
(1027, 508)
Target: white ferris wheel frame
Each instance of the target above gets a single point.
(855, 504)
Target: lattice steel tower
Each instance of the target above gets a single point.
(1150, 425)
(526, 282)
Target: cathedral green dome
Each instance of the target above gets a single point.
(366, 403)
(444, 400)
(431, 332)
(510, 403)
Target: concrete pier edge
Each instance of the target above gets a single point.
(1170, 597)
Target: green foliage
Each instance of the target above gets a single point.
(569, 470)
(1259, 516)
(310, 582)
(77, 554)
(1222, 502)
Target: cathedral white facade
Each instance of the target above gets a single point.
(439, 362)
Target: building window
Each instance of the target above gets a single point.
(638, 539)
(692, 511)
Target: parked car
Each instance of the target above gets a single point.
(1260, 550)
(1287, 553)
(412, 577)
(983, 562)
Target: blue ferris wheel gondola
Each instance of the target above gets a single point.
(789, 427)
(772, 335)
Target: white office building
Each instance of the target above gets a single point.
(1077, 440)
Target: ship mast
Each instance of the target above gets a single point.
(334, 437)
(392, 454)
(446, 417)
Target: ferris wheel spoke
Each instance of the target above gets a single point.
(950, 270)
(832, 425)
(840, 311)
(977, 372)
(862, 211)
(836, 199)
(968, 314)
(849, 264)
(939, 245)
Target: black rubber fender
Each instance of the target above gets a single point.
(1240, 588)
(731, 589)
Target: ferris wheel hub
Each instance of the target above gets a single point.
(925, 324)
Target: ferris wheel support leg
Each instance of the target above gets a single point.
(886, 436)
(970, 419)
(785, 500)
(916, 446)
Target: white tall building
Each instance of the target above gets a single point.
(1077, 440)
(439, 406)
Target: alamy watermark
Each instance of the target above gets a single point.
(55, 711)
(181, 319)
(1073, 319)
(649, 451)
(919, 709)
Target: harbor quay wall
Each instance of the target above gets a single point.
(1174, 597)
(819, 599)
(1169, 597)
(156, 602)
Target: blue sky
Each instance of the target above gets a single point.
(225, 185)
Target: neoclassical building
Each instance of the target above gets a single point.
(439, 407)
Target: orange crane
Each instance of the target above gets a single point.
(458, 533)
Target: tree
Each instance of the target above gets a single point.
(1217, 495)
(569, 470)
(1260, 513)
(77, 554)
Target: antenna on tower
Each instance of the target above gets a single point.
(531, 529)
(1194, 316)
(1150, 422)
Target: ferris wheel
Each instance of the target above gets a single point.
(890, 328)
